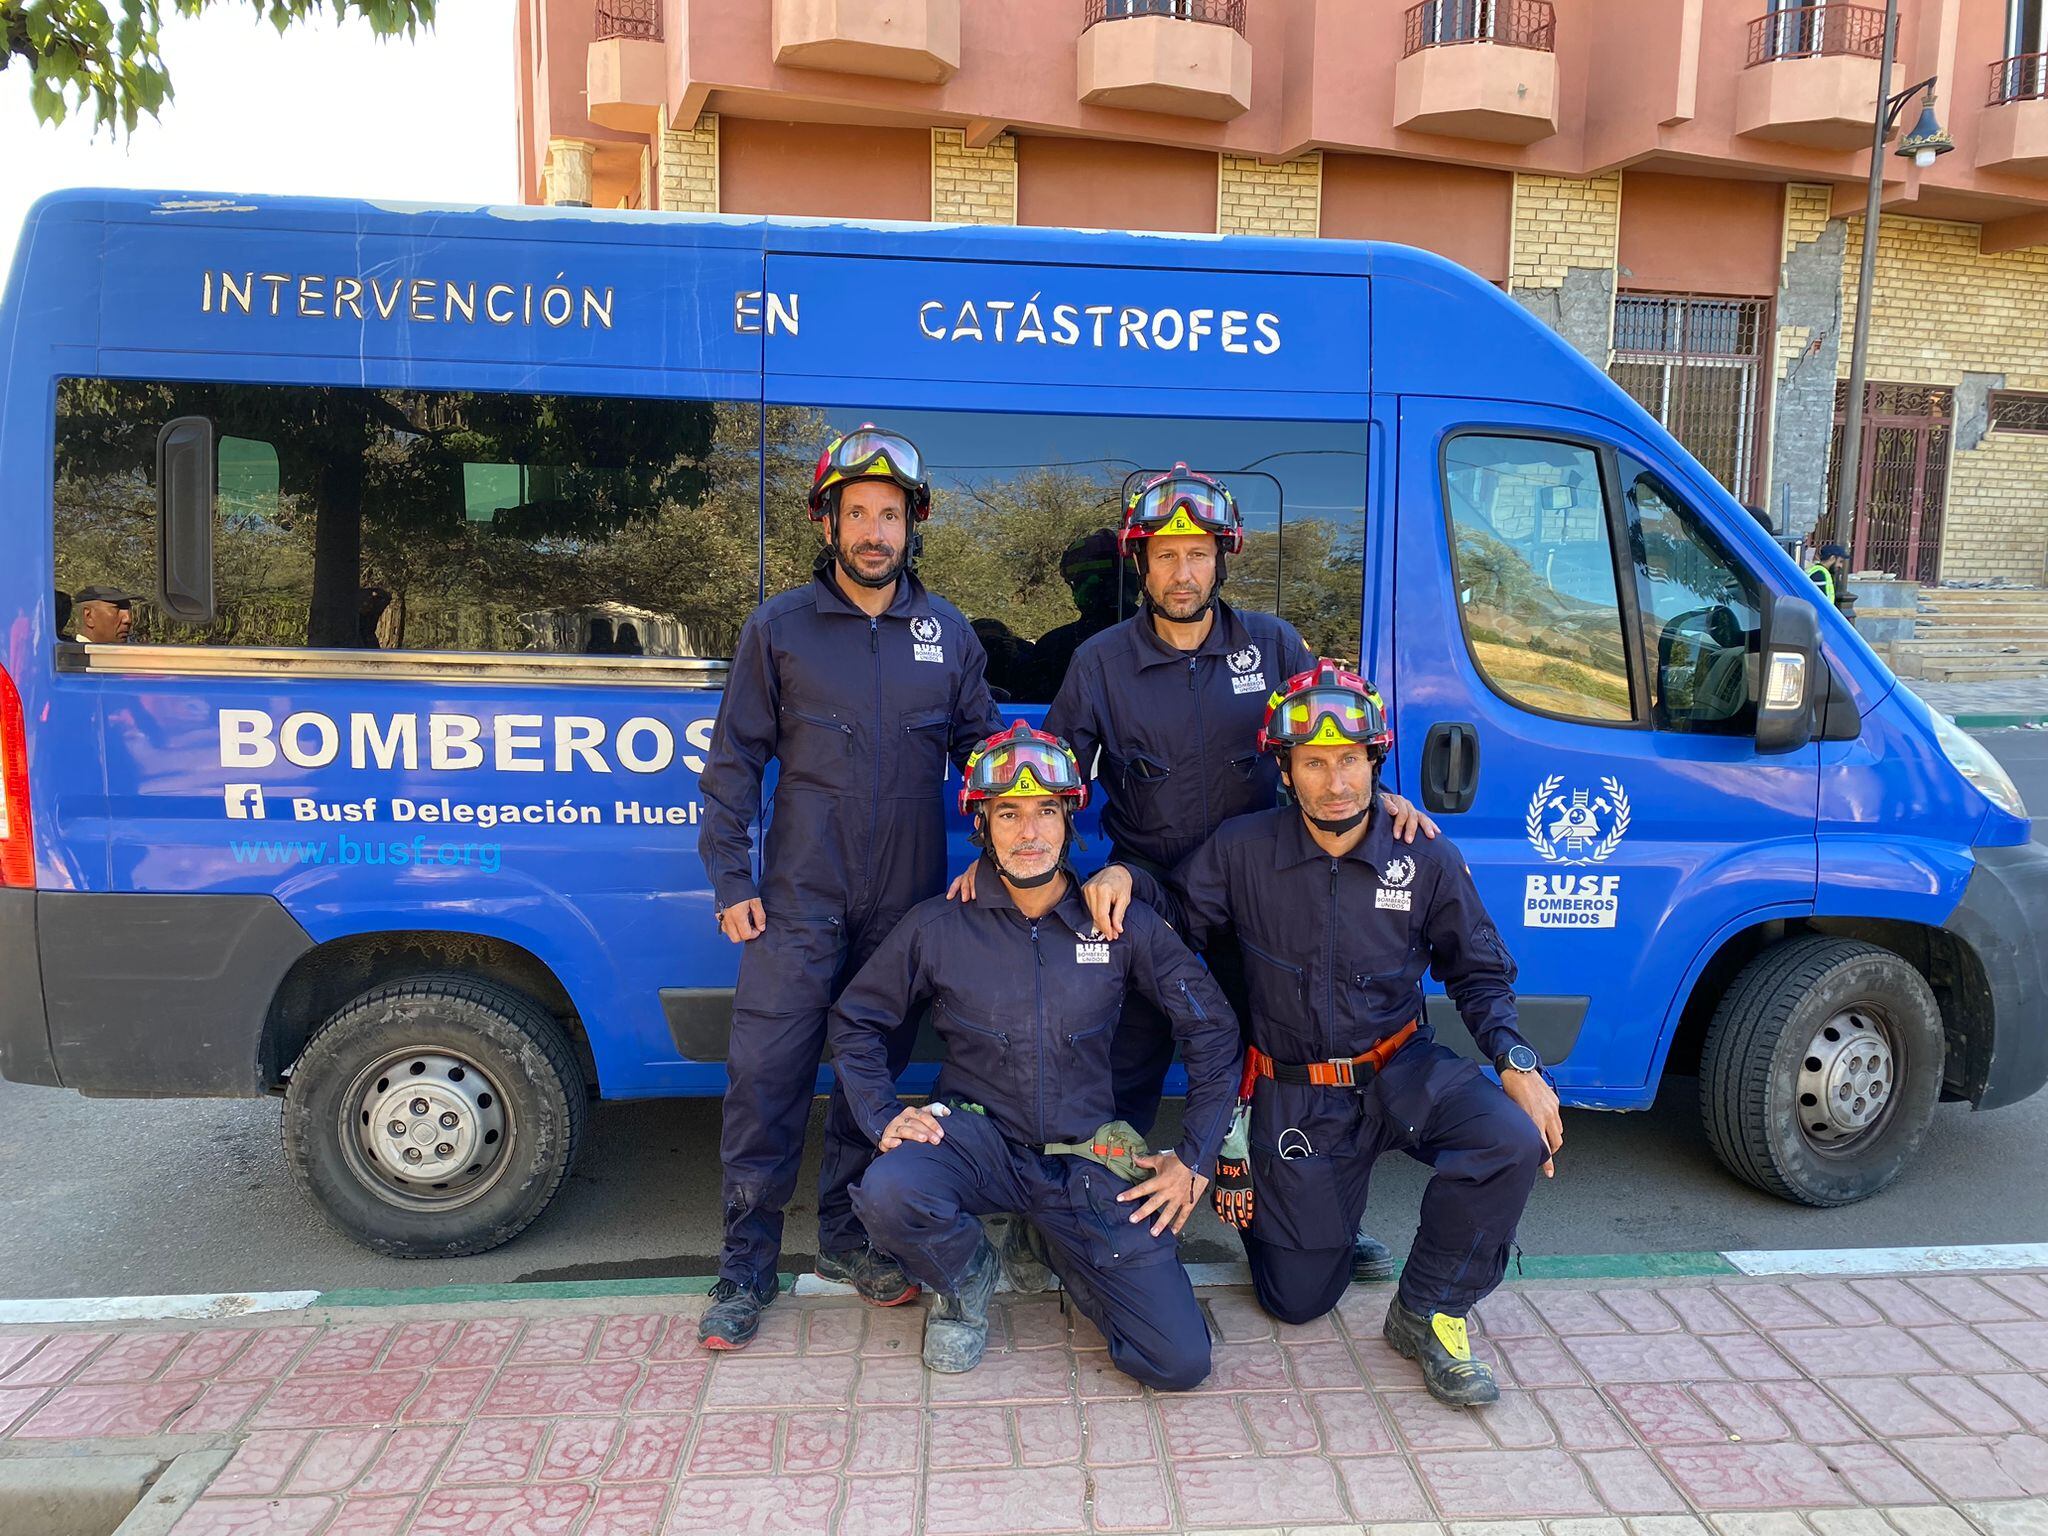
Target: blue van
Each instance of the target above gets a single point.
(435, 528)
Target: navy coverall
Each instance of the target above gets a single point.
(862, 715)
(1026, 1009)
(1334, 954)
(1178, 732)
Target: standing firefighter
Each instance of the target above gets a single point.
(1338, 922)
(1171, 698)
(1025, 994)
(862, 685)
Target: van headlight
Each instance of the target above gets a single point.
(1985, 773)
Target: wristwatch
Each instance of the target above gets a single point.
(1517, 1058)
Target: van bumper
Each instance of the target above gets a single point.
(2003, 918)
(142, 996)
(24, 1026)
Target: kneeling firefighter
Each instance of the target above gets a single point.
(1338, 922)
(1025, 994)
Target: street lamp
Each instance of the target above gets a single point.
(1922, 146)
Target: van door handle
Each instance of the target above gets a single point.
(1450, 768)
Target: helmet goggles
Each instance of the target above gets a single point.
(1182, 501)
(1326, 707)
(1021, 762)
(872, 453)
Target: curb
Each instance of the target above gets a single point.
(1746, 1263)
(1998, 722)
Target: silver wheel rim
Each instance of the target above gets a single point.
(1848, 1080)
(425, 1130)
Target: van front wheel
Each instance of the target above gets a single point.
(434, 1117)
(1821, 1070)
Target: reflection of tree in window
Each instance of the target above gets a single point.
(428, 519)
(1535, 574)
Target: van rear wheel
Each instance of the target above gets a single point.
(434, 1117)
(1821, 1070)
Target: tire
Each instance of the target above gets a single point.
(420, 1056)
(1821, 1069)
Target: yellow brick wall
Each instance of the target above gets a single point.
(689, 166)
(1561, 224)
(973, 186)
(1806, 214)
(1941, 308)
(1996, 524)
(1253, 198)
(567, 172)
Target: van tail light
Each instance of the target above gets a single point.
(17, 846)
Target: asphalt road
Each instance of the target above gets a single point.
(136, 1197)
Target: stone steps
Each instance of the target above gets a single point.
(1975, 635)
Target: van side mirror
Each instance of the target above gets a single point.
(184, 520)
(1789, 676)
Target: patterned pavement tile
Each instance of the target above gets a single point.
(1029, 1503)
(1754, 1477)
(1383, 1489)
(1482, 1485)
(83, 1413)
(549, 1509)
(1283, 1490)
(336, 1402)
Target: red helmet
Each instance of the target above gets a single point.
(1326, 706)
(1182, 500)
(1021, 761)
(870, 452)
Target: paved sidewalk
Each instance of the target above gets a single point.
(1808, 1407)
(2010, 703)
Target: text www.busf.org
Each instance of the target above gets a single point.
(346, 850)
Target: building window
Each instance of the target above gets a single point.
(1698, 366)
(1533, 554)
(2015, 411)
(415, 519)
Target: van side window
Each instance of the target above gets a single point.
(1702, 614)
(417, 519)
(1534, 563)
(1022, 536)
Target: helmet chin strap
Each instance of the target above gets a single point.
(1026, 882)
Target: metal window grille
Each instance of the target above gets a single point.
(629, 18)
(1221, 13)
(2015, 411)
(1699, 366)
(1815, 31)
(2021, 78)
(1511, 23)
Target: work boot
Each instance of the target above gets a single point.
(1371, 1260)
(1438, 1344)
(1026, 1260)
(734, 1316)
(880, 1281)
(956, 1332)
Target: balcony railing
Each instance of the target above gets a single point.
(1817, 31)
(1221, 13)
(2022, 78)
(629, 18)
(1510, 23)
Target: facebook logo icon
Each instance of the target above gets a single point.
(245, 802)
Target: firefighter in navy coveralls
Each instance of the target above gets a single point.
(1025, 994)
(1173, 698)
(1338, 921)
(862, 686)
